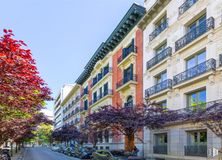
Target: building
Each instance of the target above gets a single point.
(57, 108)
(113, 76)
(182, 69)
(71, 107)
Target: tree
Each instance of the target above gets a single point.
(127, 120)
(66, 134)
(43, 133)
(22, 91)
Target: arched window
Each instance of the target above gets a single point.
(129, 102)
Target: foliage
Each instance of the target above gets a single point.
(127, 120)
(43, 133)
(22, 90)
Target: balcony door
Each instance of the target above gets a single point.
(196, 60)
(161, 77)
(128, 74)
(200, 22)
(197, 138)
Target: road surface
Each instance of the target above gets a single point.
(39, 153)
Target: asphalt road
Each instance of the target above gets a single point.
(39, 153)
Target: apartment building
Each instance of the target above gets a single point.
(182, 70)
(113, 75)
(71, 107)
(57, 108)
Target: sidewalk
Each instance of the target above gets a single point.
(19, 155)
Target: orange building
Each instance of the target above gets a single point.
(114, 74)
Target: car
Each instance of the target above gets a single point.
(103, 155)
(55, 148)
(4, 154)
(86, 152)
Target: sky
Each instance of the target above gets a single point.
(62, 34)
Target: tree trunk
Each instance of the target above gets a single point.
(129, 142)
(16, 147)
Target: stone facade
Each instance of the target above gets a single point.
(167, 75)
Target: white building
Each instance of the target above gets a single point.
(57, 109)
(182, 69)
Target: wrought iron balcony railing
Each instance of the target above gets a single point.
(199, 69)
(220, 60)
(126, 52)
(196, 150)
(194, 33)
(158, 30)
(126, 80)
(186, 5)
(105, 93)
(106, 70)
(167, 84)
(159, 57)
(160, 149)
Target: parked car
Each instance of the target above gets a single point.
(4, 154)
(87, 152)
(103, 155)
(55, 148)
(68, 151)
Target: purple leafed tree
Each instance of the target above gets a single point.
(127, 120)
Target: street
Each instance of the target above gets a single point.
(39, 153)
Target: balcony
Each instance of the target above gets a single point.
(186, 5)
(85, 92)
(196, 150)
(220, 60)
(196, 32)
(100, 76)
(158, 30)
(101, 96)
(126, 53)
(209, 65)
(167, 84)
(160, 149)
(159, 57)
(126, 80)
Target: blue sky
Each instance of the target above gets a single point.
(62, 34)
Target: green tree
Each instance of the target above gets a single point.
(43, 133)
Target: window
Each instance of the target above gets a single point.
(200, 21)
(195, 60)
(129, 102)
(161, 77)
(163, 104)
(128, 73)
(161, 139)
(100, 92)
(197, 99)
(106, 136)
(94, 96)
(197, 137)
(161, 21)
(161, 48)
(105, 89)
(86, 105)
